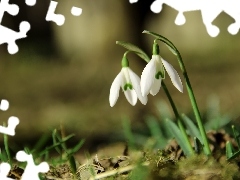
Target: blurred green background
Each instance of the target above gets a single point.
(62, 74)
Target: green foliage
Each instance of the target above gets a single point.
(128, 133)
(191, 127)
(163, 39)
(5, 155)
(5, 138)
(42, 152)
(178, 136)
(140, 172)
(197, 145)
(230, 152)
(156, 132)
(162, 132)
(59, 143)
(215, 119)
(135, 49)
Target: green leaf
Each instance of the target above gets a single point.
(40, 143)
(55, 141)
(163, 109)
(171, 49)
(236, 136)
(46, 156)
(63, 140)
(5, 139)
(156, 132)
(72, 163)
(163, 39)
(128, 133)
(217, 122)
(178, 136)
(229, 150)
(134, 48)
(3, 156)
(197, 145)
(193, 130)
(60, 143)
(140, 172)
(77, 147)
(234, 155)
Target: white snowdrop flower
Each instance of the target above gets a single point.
(130, 84)
(153, 73)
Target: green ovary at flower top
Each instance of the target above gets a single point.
(152, 74)
(130, 84)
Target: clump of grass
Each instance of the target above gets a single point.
(61, 165)
(166, 160)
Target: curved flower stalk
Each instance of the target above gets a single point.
(160, 74)
(175, 51)
(154, 72)
(130, 84)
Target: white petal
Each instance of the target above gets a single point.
(114, 90)
(135, 80)
(131, 96)
(173, 75)
(156, 86)
(147, 77)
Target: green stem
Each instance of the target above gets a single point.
(179, 119)
(5, 139)
(189, 90)
(194, 105)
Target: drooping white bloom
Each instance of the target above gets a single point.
(151, 76)
(130, 83)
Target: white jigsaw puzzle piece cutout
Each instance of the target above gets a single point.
(76, 11)
(133, 1)
(30, 2)
(8, 35)
(12, 9)
(4, 105)
(12, 124)
(210, 10)
(59, 19)
(31, 170)
(4, 170)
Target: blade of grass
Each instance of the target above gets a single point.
(55, 141)
(156, 132)
(236, 137)
(46, 156)
(178, 136)
(128, 133)
(3, 156)
(76, 147)
(60, 139)
(236, 154)
(73, 165)
(140, 172)
(197, 145)
(193, 130)
(40, 143)
(5, 139)
(217, 122)
(229, 150)
(56, 144)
